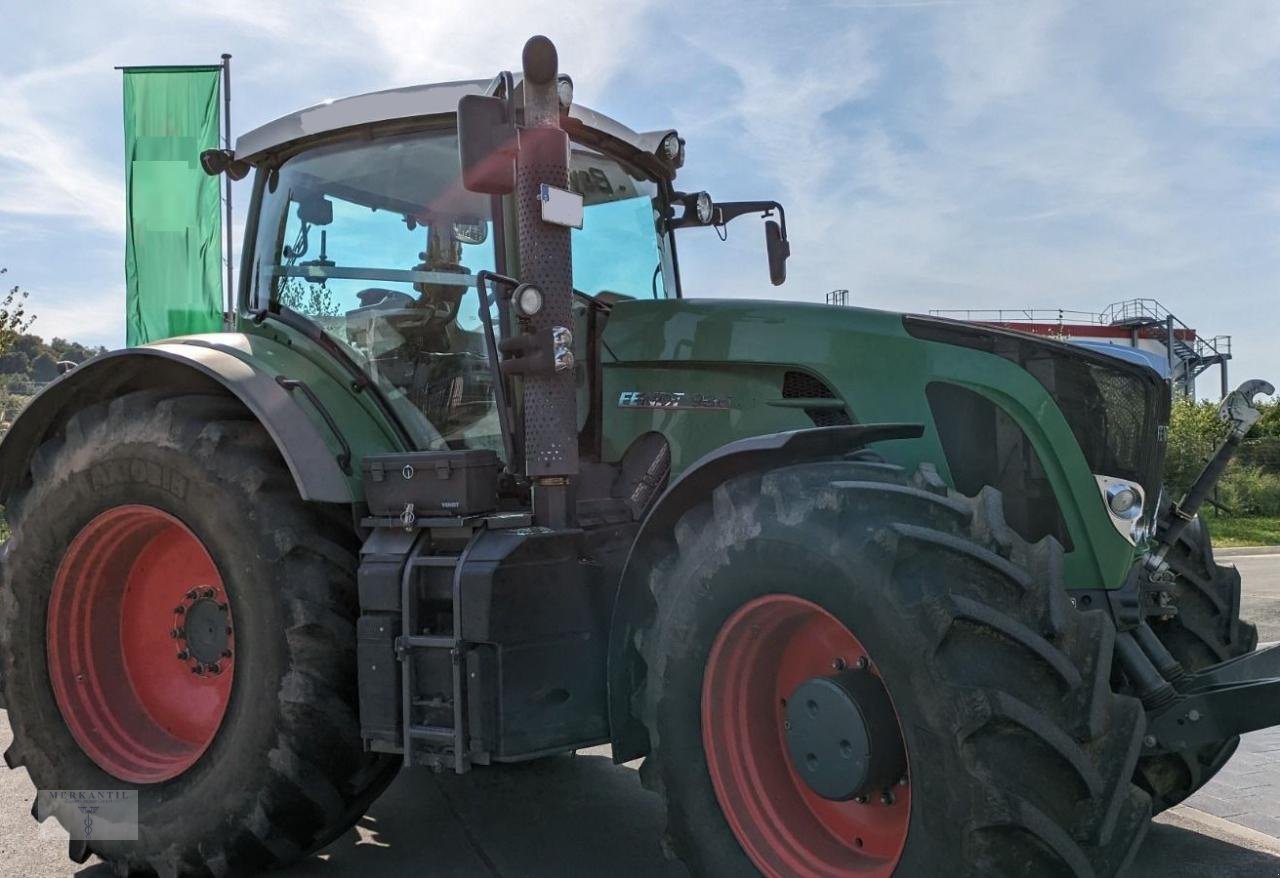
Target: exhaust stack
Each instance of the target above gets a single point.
(550, 397)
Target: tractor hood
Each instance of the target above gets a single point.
(1046, 417)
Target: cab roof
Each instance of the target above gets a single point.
(423, 101)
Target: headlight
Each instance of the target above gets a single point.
(704, 207)
(528, 299)
(1124, 501)
(564, 92)
(669, 148)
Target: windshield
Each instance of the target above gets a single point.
(618, 250)
(377, 242)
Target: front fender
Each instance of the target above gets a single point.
(247, 368)
(633, 603)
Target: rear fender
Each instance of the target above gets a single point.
(228, 362)
(634, 602)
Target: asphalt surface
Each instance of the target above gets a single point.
(1260, 600)
(582, 815)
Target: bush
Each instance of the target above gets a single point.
(1250, 490)
(1194, 434)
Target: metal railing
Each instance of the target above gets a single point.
(1020, 315)
(1130, 312)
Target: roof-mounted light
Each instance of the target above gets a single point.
(564, 91)
(671, 149)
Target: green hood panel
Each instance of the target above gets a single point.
(714, 349)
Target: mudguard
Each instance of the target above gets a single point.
(260, 372)
(634, 603)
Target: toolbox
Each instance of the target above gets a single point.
(439, 483)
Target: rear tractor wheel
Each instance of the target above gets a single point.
(853, 675)
(174, 620)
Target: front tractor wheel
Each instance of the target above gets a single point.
(174, 620)
(850, 674)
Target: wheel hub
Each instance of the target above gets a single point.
(842, 735)
(202, 627)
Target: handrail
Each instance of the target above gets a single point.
(1141, 311)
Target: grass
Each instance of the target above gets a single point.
(1259, 530)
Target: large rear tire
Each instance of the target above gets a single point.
(1019, 755)
(1206, 629)
(173, 619)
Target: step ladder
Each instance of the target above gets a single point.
(414, 640)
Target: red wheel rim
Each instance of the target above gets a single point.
(140, 644)
(766, 649)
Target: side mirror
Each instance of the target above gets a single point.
(779, 249)
(486, 145)
(223, 161)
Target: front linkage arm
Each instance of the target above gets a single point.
(1237, 696)
(1239, 410)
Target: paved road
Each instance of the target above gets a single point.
(585, 816)
(578, 815)
(1260, 602)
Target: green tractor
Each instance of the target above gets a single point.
(473, 482)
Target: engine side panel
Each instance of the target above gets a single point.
(738, 352)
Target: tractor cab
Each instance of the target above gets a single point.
(362, 225)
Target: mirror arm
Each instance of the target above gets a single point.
(727, 211)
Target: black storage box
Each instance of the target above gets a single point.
(434, 483)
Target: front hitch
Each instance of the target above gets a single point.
(1239, 410)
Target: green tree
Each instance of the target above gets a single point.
(311, 299)
(44, 368)
(14, 362)
(14, 319)
(1194, 434)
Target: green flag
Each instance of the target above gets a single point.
(173, 235)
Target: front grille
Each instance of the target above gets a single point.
(985, 446)
(802, 385)
(1116, 410)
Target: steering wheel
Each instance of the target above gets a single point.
(380, 297)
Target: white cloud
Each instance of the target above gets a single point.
(46, 170)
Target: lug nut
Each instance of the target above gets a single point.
(861, 663)
(902, 781)
(198, 670)
(192, 595)
(179, 610)
(861, 800)
(223, 607)
(1149, 741)
(183, 656)
(213, 668)
(175, 633)
(887, 797)
(209, 593)
(226, 653)
(839, 664)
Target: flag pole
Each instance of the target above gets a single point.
(230, 297)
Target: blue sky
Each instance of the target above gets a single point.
(930, 154)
